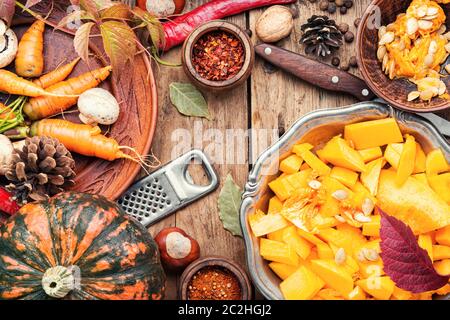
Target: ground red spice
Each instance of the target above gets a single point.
(214, 283)
(218, 56)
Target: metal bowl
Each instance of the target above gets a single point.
(316, 128)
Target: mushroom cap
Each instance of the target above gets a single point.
(98, 105)
(9, 51)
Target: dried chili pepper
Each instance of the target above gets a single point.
(177, 30)
(214, 283)
(218, 56)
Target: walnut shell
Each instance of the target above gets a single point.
(275, 24)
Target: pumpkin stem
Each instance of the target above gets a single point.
(58, 281)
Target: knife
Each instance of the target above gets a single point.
(330, 78)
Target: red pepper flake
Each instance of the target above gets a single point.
(218, 56)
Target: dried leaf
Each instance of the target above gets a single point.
(229, 205)
(118, 11)
(95, 6)
(81, 40)
(119, 42)
(152, 24)
(405, 262)
(7, 9)
(188, 100)
(75, 16)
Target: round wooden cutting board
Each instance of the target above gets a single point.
(134, 89)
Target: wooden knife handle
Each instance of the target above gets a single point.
(315, 72)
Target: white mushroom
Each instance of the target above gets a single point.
(6, 151)
(8, 47)
(98, 106)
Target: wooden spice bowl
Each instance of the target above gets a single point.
(395, 92)
(239, 78)
(215, 261)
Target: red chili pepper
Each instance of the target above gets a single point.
(7, 204)
(177, 30)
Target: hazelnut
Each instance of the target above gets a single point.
(345, 67)
(323, 5)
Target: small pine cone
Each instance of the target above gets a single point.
(42, 168)
(321, 36)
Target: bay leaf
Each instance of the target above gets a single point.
(229, 206)
(188, 100)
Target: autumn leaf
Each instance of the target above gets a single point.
(118, 11)
(7, 8)
(119, 42)
(152, 24)
(75, 16)
(81, 40)
(31, 3)
(95, 6)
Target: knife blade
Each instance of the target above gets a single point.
(330, 78)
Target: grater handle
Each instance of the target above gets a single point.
(178, 175)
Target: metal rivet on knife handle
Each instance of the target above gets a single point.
(335, 79)
(268, 51)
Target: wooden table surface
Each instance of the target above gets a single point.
(267, 101)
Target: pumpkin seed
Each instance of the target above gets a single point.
(413, 95)
(442, 29)
(447, 36)
(368, 205)
(426, 95)
(425, 24)
(381, 52)
(381, 32)
(314, 184)
(361, 256)
(385, 63)
(442, 88)
(433, 48)
(371, 254)
(412, 26)
(360, 217)
(430, 18)
(431, 11)
(339, 218)
(429, 60)
(422, 11)
(387, 38)
(340, 195)
(340, 256)
(392, 70)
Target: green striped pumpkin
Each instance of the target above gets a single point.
(78, 246)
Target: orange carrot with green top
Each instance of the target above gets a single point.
(30, 52)
(57, 75)
(45, 106)
(81, 138)
(13, 84)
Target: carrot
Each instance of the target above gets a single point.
(57, 75)
(6, 113)
(30, 53)
(45, 106)
(81, 138)
(13, 84)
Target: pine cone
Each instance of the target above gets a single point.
(321, 36)
(43, 167)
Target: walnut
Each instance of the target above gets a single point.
(275, 24)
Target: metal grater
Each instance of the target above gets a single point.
(167, 190)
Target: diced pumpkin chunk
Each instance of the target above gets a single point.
(315, 163)
(442, 236)
(276, 235)
(303, 284)
(436, 163)
(324, 251)
(422, 177)
(339, 153)
(345, 176)
(372, 229)
(407, 160)
(413, 203)
(371, 154)
(291, 164)
(350, 264)
(369, 269)
(300, 179)
(401, 294)
(442, 267)
(310, 237)
(268, 223)
(278, 252)
(320, 155)
(329, 294)
(335, 276)
(300, 148)
(440, 183)
(421, 158)
(300, 245)
(380, 288)
(426, 243)
(360, 195)
(392, 155)
(341, 238)
(275, 205)
(357, 294)
(441, 252)
(282, 270)
(281, 188)
(375, 133)
(371, 177)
